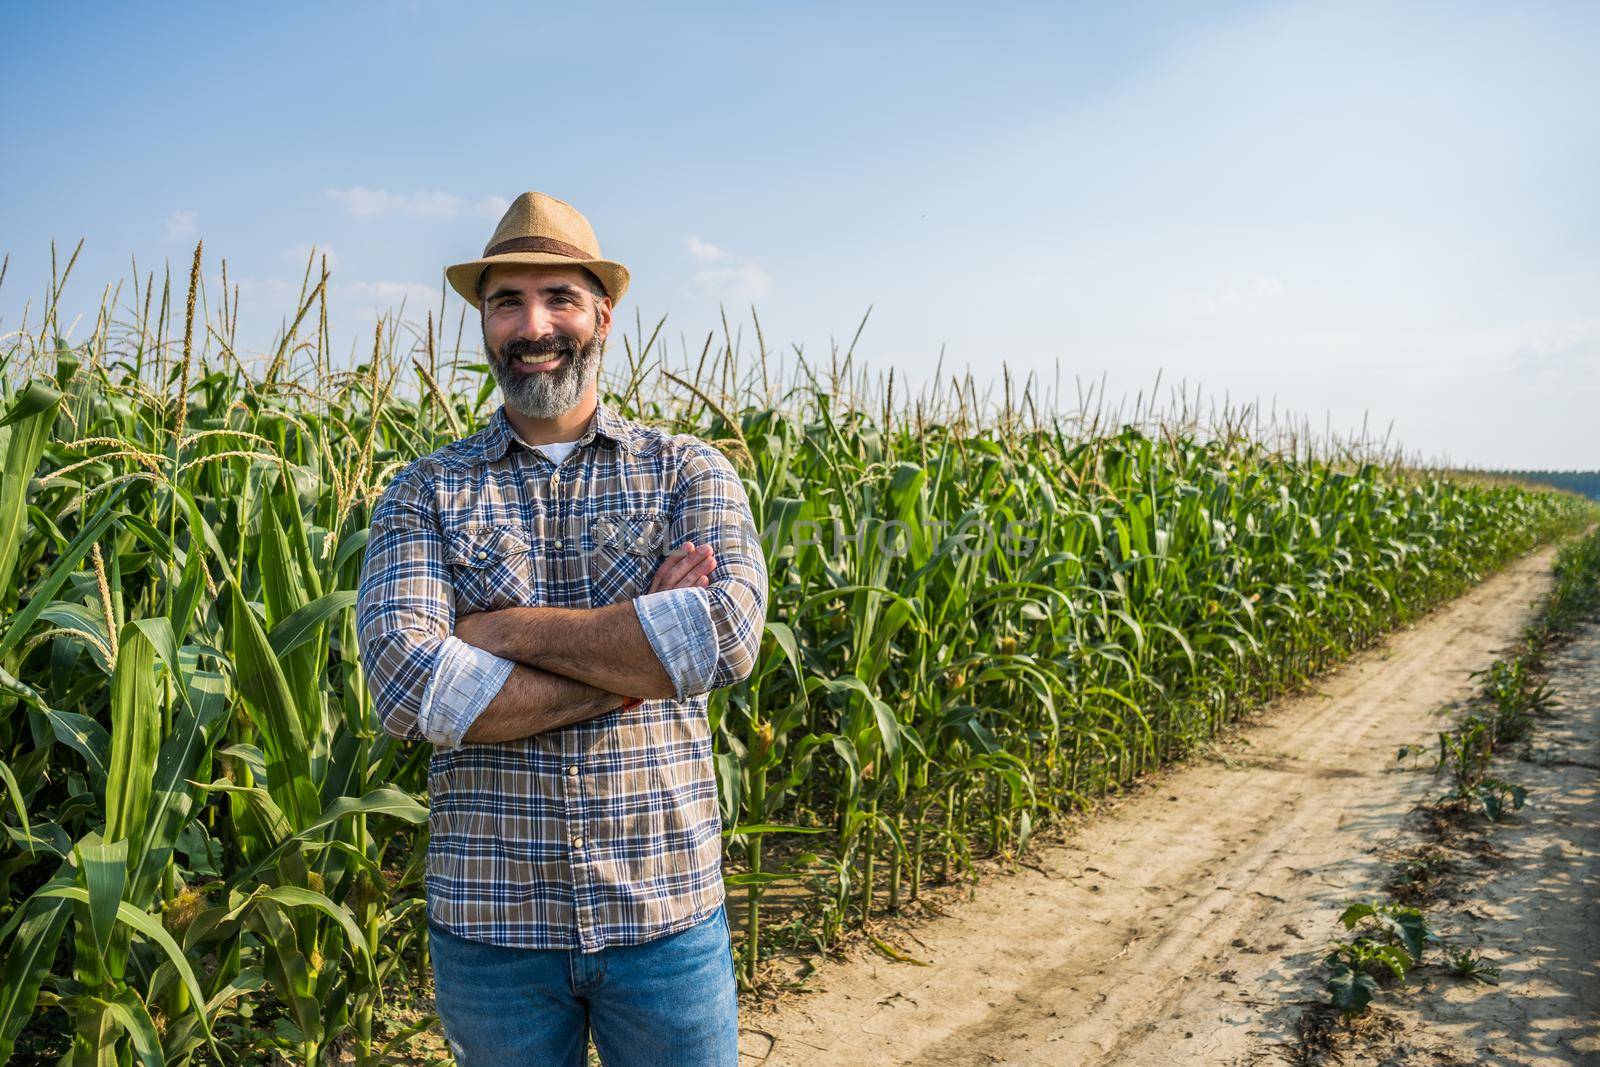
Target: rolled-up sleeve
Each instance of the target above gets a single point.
(678, 624)
(707, 638)
(426, 684)
(465, 679)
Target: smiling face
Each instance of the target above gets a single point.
(543, 331)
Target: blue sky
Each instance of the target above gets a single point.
(1351, 211)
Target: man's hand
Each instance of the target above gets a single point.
(685, 568)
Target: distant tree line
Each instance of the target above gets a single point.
(1585, 483)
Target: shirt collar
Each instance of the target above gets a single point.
(498, 434)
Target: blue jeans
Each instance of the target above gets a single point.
(671, 1002)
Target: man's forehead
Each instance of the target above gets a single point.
(532, 277)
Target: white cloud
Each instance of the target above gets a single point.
(384, 296)
(1558, 351)
(370, 203)
(1240, 297)
(704, 251)
(363, 202)
(276, 298)
(268, 295)
(490, 207)
(736, 278)
(182, 225)
(747, 282)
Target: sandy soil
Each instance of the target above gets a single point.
(1184, 925)
(1526, 895)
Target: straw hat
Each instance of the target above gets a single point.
(539, 229)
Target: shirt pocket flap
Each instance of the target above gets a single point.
(484, 546)
(635, 534)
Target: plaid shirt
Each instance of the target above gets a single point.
(604, 832)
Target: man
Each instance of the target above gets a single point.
(548, 601)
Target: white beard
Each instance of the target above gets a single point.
(546, 396)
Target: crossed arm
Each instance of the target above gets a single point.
(574, 664)
(502, 675)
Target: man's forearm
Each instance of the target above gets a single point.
(605, 648)
(535, 701)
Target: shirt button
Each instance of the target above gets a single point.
(577, 842)
(555, 479)
(638, 540)
(557, 546)
(482, 554)
(572, 771)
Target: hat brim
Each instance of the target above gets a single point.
(463, 277)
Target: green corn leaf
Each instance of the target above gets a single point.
(730, 784)
(383, 800)
(350, 546)
(63, 568)
(83, 735)
(303, 623)
(17, 802)
(391, 1048)
(260, 800)
(194, 731)
(783, 635)
(743, 878)
(292, 896)
(41, 837)
(130, 1011)
(283, 586)
(294, 526)
(250, 756)
(135, 735)
(147, 925)
(191, 583)
(103, 869)
(27, 961)
(759, 828)
(24, 429)
(35, 400)
(888, 728)
(281, 579)
(184, 1034)
(80, 617)
(271, 705)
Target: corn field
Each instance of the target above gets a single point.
(985, 612)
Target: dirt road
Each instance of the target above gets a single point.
(1528, 899)
(1173, 929)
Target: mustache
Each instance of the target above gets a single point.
(555, 345)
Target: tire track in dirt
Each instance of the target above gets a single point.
(1158, 932)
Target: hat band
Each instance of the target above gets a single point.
(537, 244)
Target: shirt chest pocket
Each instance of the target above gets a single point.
(492, 567)
(624, 550)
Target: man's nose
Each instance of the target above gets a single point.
(536, 320)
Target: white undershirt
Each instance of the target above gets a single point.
(556, 450)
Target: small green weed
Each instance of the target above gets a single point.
(1389, 940)
(1465, 963)
(1466, 752)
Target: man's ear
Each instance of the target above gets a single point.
(602, 315)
